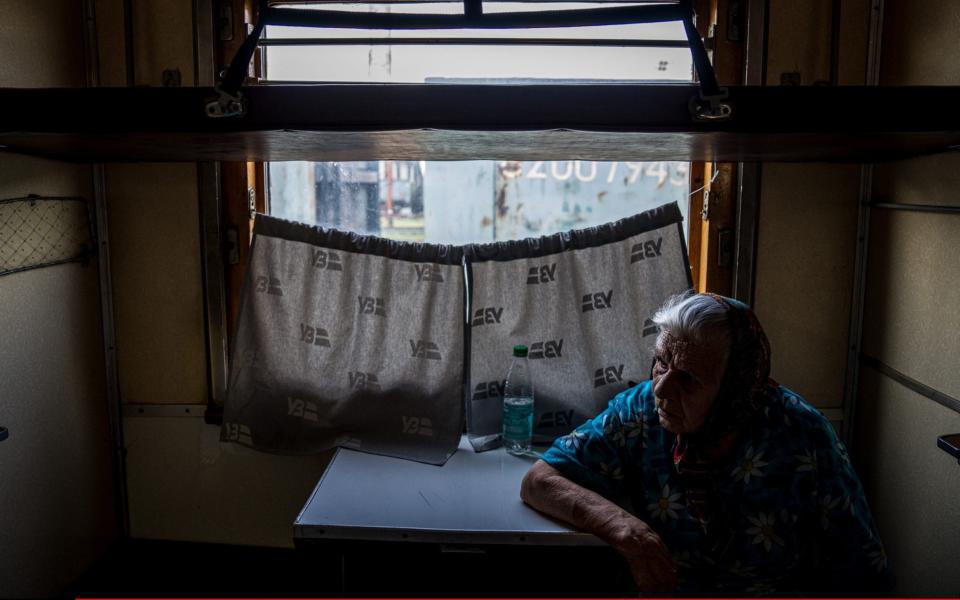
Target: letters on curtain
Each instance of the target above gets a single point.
(581, 301)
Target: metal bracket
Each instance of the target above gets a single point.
(226, 105)
(711, 108)
(708, 195)
(950, 444)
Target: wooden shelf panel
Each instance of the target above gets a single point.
(460, 122)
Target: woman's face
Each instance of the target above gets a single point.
(686, 380)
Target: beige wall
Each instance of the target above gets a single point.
(806, 248)
(911, 323)
(806, 241)
(56, 497)
(183, 484)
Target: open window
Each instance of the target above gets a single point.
(474, 201)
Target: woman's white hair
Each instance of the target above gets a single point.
(697, 318)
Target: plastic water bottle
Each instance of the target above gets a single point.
(518, 404)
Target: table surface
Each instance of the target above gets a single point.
(472, 499)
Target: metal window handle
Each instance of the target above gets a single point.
(4, 434)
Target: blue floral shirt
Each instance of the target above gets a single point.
(789, 514)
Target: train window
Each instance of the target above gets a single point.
(462, 202)
(474, 201)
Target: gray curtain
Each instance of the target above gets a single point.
(581, 301)
(357, 341)
(348, 340)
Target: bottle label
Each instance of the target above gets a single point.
(517, 418)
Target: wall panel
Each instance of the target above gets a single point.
(911, 322)
(56, 496)
(912, 309)
(158, 298)
(185, 485)
(912, 485)
(805, 255)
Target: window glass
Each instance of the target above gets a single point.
(473, 201)
(438, 63)
(456, 202)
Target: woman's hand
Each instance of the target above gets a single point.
(547, 490)
(650, 561)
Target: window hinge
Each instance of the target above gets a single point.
(252, 202)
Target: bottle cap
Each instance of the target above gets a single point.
(520, 351)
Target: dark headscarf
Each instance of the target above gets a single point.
(743, 394)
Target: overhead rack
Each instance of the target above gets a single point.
(448, 121)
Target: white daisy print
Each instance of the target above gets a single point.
(827, 504)
(764, 531)
(842, 451)
(613, 430)
(642, 427)
(742, 570)
(611, 471)
(877, 556)
(666, 506)
(806, 461)
(574, 441)
(750, 466)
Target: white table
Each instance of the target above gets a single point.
(389, 527)
(472, 499)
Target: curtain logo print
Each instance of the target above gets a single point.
(557, 418)
(487, 316)
(235, 432)
(418, 426)
(645, 250)
(606, 375)
(371, 306)
(364, 381)
(428, 272)
(330, 261)
(542, 274)
(490, 389)
(424, 349)
(270, 285)
(549, 349)
(303, 409)
(649, 327)
(597, 300)
(314, 335)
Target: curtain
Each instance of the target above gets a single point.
(381, 346)
(348, 340)
(581, 301)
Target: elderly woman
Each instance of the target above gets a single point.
(712, 479)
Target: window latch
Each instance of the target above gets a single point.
(226, 104)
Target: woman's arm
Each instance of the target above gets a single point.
(548, 491)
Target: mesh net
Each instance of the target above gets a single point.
(38, 232)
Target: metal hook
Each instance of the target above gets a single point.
(711, 108)
(226, 105)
